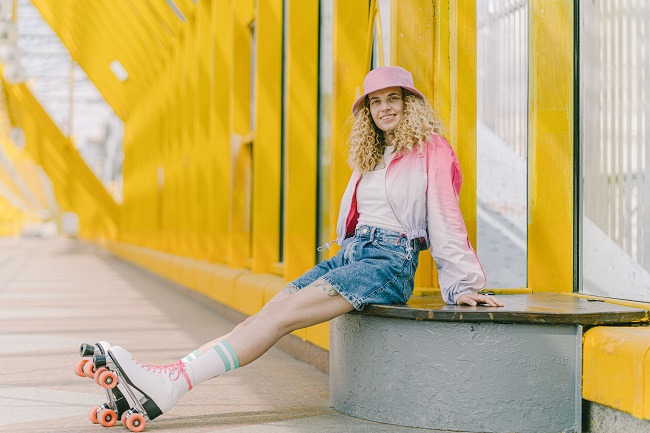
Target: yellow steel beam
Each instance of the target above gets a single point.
(177, 161)
(152, 25)
(113, 32)
(202, 148)
(241, 139)
(220, 139)
(454, 85)
(185, 6)
(137, 34)
(21, 176)
(267, 147)
(439, 48)
(301, 148)
(188, 179)
(165, 15)
(75, 185)
(348, 51)
(301, 124)
(412, 47)
(62, 22)
(550, 154)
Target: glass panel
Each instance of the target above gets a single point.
(324, 125)
(502, 111)
(614, 140)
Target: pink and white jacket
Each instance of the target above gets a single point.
(423, 188)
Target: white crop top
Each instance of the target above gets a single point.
(372, 201)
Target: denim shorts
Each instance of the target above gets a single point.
(375, 266)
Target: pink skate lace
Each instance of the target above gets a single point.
(177, 367)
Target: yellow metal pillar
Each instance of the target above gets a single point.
(268, 130)
(436, 41)
(241, 134)
(220, 138)
(454, 86)
(187, 190)
(349, 52)
(191, 144)
(550, 155)
(203, 150)
(174, 157)
(412, 47)
(301, 126)
(163, 170)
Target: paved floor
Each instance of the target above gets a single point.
(58, 293)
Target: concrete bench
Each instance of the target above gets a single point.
(477, 369)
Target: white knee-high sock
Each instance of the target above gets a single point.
(191, 356)
(218, 360)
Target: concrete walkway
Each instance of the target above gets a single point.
(58, 293)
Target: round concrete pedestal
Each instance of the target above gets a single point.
(476, 377)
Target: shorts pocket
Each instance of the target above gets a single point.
(391, 248)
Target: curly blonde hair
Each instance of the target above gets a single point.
(367, 142)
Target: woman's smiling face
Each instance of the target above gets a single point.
(386, 106)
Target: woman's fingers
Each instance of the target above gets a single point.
(474, 299)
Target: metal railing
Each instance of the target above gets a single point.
(615, 121)
(502, 69)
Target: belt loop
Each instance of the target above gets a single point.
(372, 233)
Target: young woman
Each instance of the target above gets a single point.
(402, 198)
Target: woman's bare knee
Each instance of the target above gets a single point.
(274, 316)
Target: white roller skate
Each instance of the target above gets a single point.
(108, 413)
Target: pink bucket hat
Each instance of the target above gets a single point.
(383, 77)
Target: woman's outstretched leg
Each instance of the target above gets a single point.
(163, 386)
(281, 295)
(314, 304)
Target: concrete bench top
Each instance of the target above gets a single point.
(540, 308)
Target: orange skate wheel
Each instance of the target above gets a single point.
(107, 379)
(135, 422)
(92, 414)
(123, 417)
(79, 368)
(107, 417)
(89, 370)
(98, 373)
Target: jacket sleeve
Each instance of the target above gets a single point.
(459, 270)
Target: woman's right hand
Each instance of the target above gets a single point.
(474, 299)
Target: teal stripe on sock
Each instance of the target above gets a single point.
(232, 352)
(196, 354)
(223, 357)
